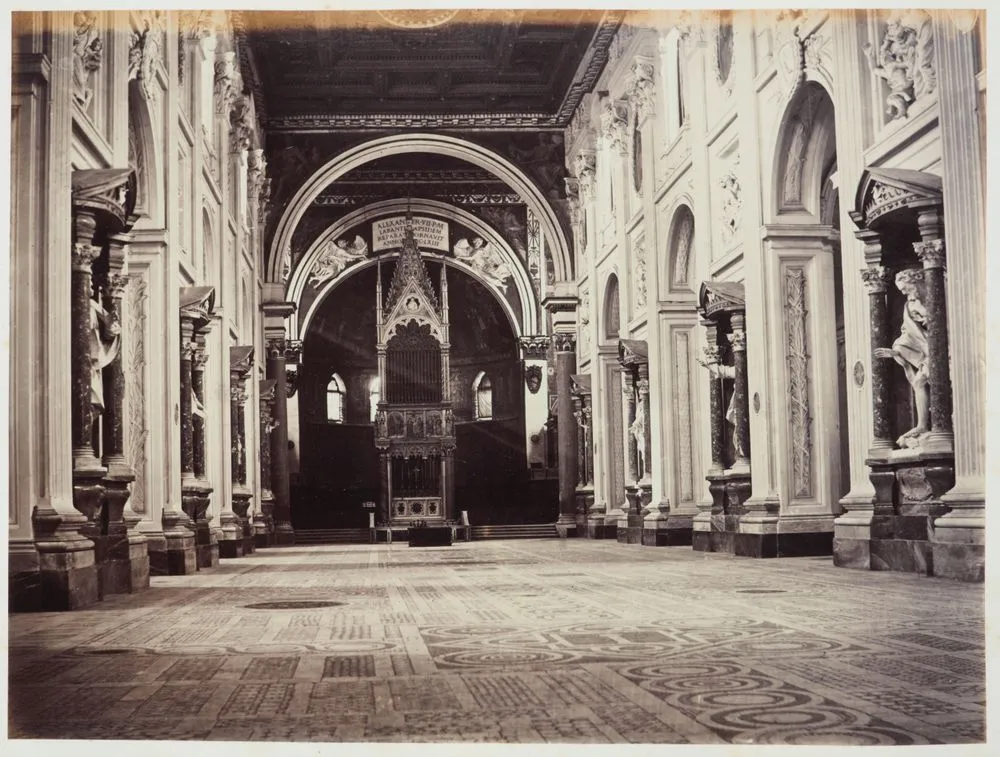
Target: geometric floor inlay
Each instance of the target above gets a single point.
(565, 641)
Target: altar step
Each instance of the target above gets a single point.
(332, 536)
(529, 531)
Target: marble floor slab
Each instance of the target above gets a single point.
(516, 641)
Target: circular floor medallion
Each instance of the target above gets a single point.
(293, 604)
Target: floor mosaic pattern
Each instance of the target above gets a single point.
(519, 641)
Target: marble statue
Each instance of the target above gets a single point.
(910, 351)
(638, 431)
(105, 339)
(721, 371)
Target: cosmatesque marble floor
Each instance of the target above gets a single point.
(515, 641)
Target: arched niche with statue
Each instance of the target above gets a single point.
(900, 218)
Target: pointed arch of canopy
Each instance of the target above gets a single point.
(298, 280)
(436, 144)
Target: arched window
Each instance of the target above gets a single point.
(335, 399)
(482, 388)
(374, 395)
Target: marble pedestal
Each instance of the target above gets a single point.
(729, 491)
(896, 533)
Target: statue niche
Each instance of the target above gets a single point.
(900, 218)
(722, 306)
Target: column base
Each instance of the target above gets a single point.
(207, 555)
(284, 535)
(566, 525)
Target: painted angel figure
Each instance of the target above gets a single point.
(335, 257)
(910, 350)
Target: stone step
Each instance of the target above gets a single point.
(523, 531)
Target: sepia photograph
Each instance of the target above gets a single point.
(502, 375)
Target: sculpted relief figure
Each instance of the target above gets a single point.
(335, 257)
(910, 351)
(484, 258)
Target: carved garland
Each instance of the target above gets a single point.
(135, 389)
(639, 274)
(797, 359)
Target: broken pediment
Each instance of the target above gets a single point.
(632, 352)
(108, 193)
(718, 297)
(882, 192)
(198, 304)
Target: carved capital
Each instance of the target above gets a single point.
(711, 355)
(276, 347)
(535, 347)
(197, 25)
(642, 386)
(564, 342)
(117, 282)
(187, 351)
(84, 255)
(293, 351)
(739, 340)
(585, 168)
(875, 279)
(931, 253)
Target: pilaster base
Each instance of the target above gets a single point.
(673, 531)
(68, 578)
(174, 556)
(207, 553)
(23, 581)
(124, 567)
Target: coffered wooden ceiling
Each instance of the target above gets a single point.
(470, 68)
